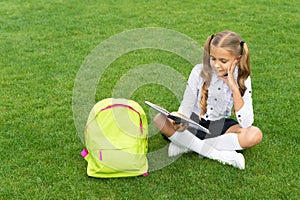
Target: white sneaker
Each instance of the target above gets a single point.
(175, 150)
(232, 158)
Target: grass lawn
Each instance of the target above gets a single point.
(43, 45)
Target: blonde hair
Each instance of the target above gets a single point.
(232, 42)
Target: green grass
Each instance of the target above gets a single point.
(44, 43)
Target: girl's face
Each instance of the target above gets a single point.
(220, 60)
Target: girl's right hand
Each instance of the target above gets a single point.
(179, 126)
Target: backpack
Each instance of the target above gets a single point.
(116, 139)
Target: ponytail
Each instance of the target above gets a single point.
(206, 75)
(244, 67)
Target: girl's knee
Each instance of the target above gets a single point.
(159, 121)
(164, 125)
(255, 135)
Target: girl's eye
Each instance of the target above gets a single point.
(224, 61)
(212, 58)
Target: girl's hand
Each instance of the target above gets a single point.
(229, 80)
(179, 126)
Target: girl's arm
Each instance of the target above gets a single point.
(244, 111)
(191, 92)
(242, 105)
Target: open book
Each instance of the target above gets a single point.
(177, 118)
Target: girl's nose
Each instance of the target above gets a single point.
(217, 65)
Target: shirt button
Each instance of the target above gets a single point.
(216, 99)
(211, 108)
(239, 115)
(219, 88)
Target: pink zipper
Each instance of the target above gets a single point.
(125, 106)
(100, 155)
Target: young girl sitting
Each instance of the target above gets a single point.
(215, 89)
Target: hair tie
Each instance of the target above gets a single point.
(242, 47)
(211, 37)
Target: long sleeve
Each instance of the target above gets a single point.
(190, 100)
(245, 116)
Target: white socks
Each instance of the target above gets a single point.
(227, 142)
(190, 141)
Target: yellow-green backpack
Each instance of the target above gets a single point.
(116, 139)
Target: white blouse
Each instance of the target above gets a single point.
(219, 102)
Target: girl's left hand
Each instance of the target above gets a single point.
(229, 80)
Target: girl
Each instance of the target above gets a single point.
(219, 86)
